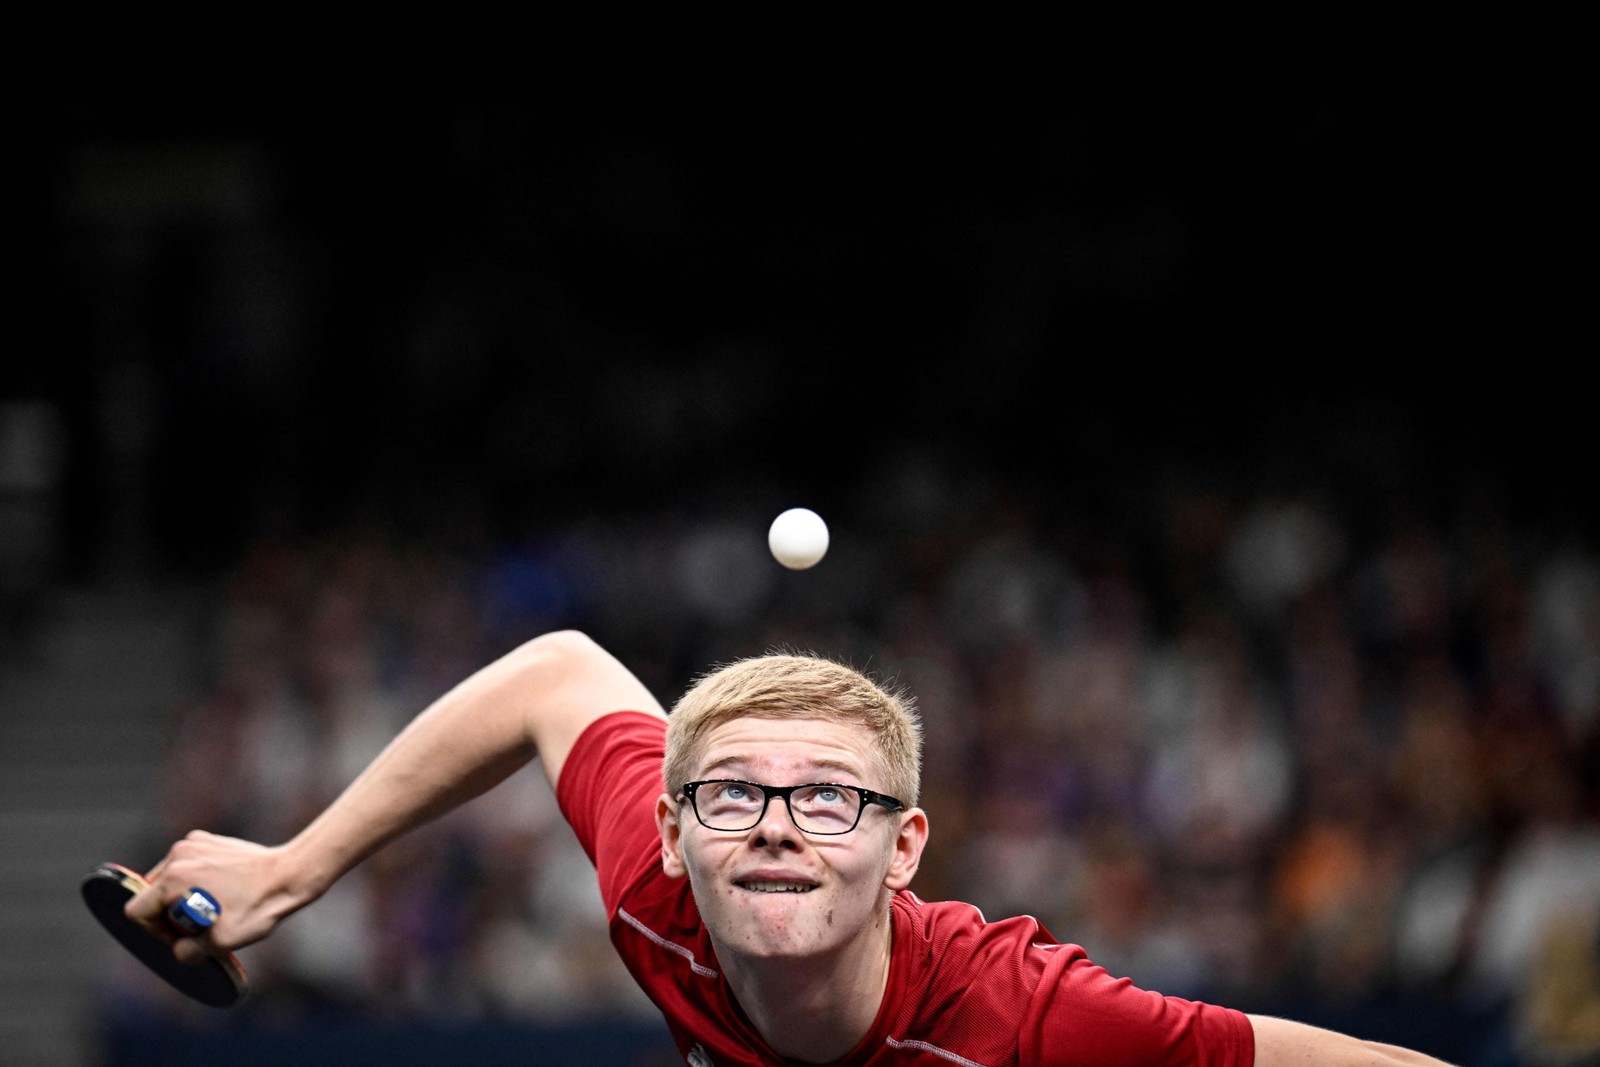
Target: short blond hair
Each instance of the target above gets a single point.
(798, 686)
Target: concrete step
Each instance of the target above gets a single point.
(42, 840)
(23, 1048)
(84, 724)
(54, 950)
(69, 741)
(91, 788)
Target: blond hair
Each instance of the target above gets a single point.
(795, 686)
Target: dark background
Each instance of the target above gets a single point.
(474, 326)
(531, 316)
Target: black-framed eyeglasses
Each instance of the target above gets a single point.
(824, 808)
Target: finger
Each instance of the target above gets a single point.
(190, 950)
(146, 906)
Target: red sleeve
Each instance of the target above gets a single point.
(607, 792)
(1081, 1011)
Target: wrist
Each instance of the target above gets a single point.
(302, 872)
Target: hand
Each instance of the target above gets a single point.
(246, 879)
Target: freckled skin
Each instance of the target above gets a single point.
(849, 872)
(809, 968)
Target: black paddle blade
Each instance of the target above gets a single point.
(219, 981)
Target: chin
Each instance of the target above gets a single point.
(781, 946)
(773, 937)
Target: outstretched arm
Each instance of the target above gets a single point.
(535, 700)
(1281, 1043)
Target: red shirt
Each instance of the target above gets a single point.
(961, 990)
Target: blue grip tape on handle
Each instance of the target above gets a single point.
(196, 911)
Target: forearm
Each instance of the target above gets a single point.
(535, 700)
(1402, 1056)
(463, 744)
(532, 701)
(1283, 1043)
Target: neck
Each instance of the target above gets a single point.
(817, 1008)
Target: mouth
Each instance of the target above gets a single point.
(775, 887)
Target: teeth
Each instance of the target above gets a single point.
(775, 887)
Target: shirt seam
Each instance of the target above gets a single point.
(925, 1046)
(671, 946)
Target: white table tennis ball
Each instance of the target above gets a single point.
(798, 538)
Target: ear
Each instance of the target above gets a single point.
(908, 845)
(671, 837)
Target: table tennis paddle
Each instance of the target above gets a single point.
(219, 981)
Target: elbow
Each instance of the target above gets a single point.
(560, 639)
(558, 649)
(541, 665)
(555, 663)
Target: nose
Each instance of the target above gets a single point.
(776, 829)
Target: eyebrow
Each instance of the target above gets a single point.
(730, 762)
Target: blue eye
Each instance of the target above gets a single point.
(824, 798)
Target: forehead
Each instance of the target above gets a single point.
(790, 751)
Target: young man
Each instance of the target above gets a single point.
(755, 852)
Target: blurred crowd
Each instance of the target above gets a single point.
(1243, 747)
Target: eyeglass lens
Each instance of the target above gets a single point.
(817, 809)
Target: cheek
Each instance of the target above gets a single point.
(701, 861)
(861, 866)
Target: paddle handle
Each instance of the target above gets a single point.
(195, 912)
